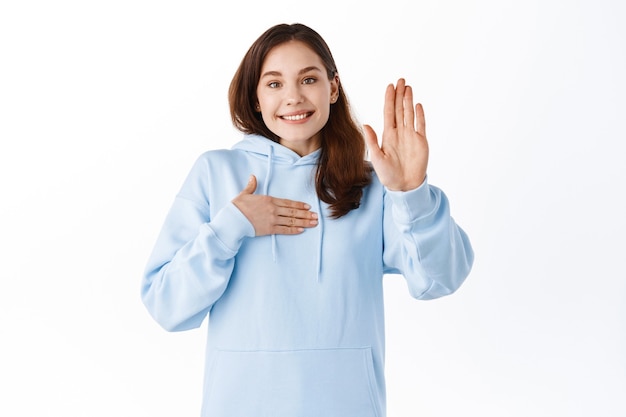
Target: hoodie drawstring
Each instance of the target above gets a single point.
(320, 228)
(320, 217)
(266, 187)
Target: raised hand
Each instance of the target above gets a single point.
(402, 158)
(273, 216)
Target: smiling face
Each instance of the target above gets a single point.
(295, 95)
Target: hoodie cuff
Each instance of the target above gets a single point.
(231, 227)
(409, 206)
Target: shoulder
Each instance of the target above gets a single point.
(210, 165)
(216, 159)
(216, 155)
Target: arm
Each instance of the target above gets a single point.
(193, 258)
(421, 240)
(423, 243)
(192, 261)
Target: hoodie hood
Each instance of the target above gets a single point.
(276, 154)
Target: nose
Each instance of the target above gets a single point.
(293, 95)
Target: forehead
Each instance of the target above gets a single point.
(291, 55)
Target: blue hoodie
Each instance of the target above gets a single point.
(296, 325)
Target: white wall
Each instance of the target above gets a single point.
(105, 105)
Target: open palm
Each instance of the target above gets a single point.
(402, 158)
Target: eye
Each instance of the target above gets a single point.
(273, 84)
(309, 80)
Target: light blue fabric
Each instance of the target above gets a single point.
(296, 324)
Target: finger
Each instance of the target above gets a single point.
(286, 230)
(371, 141)
(389, 115)
(290, 204)
(296, 222)
(293, 213)
(250, 187)
(409, 115)
(421, 120)
(399, 102)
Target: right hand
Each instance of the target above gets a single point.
(274, 216)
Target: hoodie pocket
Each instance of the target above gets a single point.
(295, 383)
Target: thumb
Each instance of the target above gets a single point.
(250, 187)
(371, 140)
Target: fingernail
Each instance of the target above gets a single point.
(306, 206)
(314, 215)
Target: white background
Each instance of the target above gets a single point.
(105, 105)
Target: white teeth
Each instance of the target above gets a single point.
(296, 117)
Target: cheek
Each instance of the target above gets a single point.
(266, 118)
(325, 107)
(325, 116)
(267, 103)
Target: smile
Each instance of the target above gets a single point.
(296, 117)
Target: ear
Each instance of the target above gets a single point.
(334, 89)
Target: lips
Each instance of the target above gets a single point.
(296, 117)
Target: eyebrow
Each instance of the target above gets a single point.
(302, 71)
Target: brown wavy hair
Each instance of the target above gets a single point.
(341, 171)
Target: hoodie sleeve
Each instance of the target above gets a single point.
(423, 243)
(192, 260)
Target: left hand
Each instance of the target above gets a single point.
(402, 158)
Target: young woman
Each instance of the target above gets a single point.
(283, 240)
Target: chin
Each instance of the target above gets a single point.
(301, 138)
